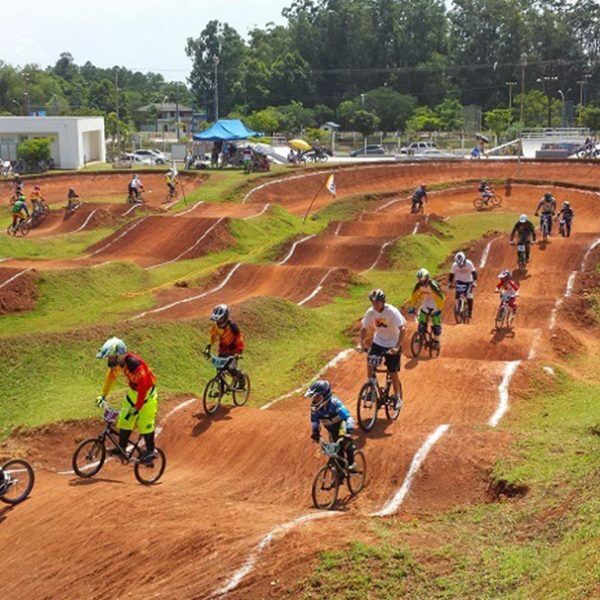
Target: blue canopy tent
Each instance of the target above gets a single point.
(226, 130)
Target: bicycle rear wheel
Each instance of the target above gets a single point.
(150, 472)
(496, 200)
(478, 203)
(500, 317)
(240, 396)
(393, 412)
(356, 480)
(459, 311)
(325, 487)
(416, 343)
(367, 406)
(19, 478)
(89, 457)
(213, 393)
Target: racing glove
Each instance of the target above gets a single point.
(100, 400)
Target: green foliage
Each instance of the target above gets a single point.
(498, 120)
(364, 122)
(424, 119)
(590, 117)
(267, 120)
(450, 114)
(34, 150)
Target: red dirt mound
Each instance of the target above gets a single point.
(18, 290)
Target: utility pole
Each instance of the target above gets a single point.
(523, 65)
(587, 77)
(511, 85)
(177, 109)
(216, 61)
(581, 83)
(26, 97)
(544, 80)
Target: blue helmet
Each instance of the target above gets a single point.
(112, 347)
(320, 392)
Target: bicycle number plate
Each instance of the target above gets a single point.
(111, 415)
(331, 449)
(373, 360)
(521, 247)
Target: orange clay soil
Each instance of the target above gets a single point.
(233, 479)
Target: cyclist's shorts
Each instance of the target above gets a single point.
(145, 421)
(392, 361)
(436, 317)
(463, 287)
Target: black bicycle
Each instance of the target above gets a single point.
(224, 383)
(21, 228)
(545, 225)
(16, 481)
(425, 339)
(564, 227)
(461, 303)
(90, 454)
(327, 481)
(172, 194)
(373, 396)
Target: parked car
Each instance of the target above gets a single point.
(371, 149)
(137, 159)
(435, 154)
(417, 147)
(156, 157)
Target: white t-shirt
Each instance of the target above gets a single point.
(464, 273)
(387, 325)
(135, 183)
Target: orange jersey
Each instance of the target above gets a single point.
(230, 339)
(139, 378)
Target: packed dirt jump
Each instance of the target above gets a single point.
(232, 517)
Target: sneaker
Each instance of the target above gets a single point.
(115, 452)
(240, 383)
(352, 468)
(147, 458)
(397, 402)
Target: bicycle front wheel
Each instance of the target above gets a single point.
(416, 344)
(325, 488)
(393, 412)
(356, 480)
(148, 473)
(434, 348)
(89, 457)
(241, 395)
(213, 392)
(478, 203)
(500, 317)
(19, 479)
(496, 200)
(458, 311)
(367, 406)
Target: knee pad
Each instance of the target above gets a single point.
(422, 327)
(437, 330)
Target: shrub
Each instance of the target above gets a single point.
(35, 150)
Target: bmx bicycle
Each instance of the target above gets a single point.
(461, 303)
(493, 201)
(505, 316)
(90, 455)
(373, 396)
(22, 228)
(546, 225)
(16, 481)
(564, 227)
(329, 478)
(426, 340)
(223, 384)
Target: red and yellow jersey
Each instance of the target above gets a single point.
(509, 288)
(230, 338)
(139, 378)
(36, 195)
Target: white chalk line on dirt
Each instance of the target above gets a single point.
(130, 209)
(338, 228)
(338, 358)
(16, 276)
(317, 289)
(192, 298)
(262, 212)
(293, 248)
(188, 211)
(486, 253)
(414, 231)
(126, 231)
(393, 504)
(85, 223)
(503, 396)
(381, 251)
(194, 245)
(252, 559)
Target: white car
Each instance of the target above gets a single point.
(417, 147)
(155, 156)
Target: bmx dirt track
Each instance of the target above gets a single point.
(232, 512)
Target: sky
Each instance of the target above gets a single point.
(145, 35)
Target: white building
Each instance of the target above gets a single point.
(76, 140)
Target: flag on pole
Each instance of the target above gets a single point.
(330, 185)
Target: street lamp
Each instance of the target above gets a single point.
(511, 85)
(216, 63)
(564, 108)
(523, 65)
(544, 80)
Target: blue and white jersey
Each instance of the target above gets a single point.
(331, 414)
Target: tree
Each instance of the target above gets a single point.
(295, 117)
(450, 112)
(590, 117)
(290, 79)
(498, 120)
(392, 108)
(34, 150)
(267, 121)
(221, 42)
(424, 119)
(364, 122)
(102, 95)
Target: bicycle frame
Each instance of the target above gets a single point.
(113, 435)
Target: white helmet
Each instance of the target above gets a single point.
(422, 274)
(523, 218)
(112, 347)
(460, 258)
(220, 313)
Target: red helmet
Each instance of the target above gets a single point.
(504, 275)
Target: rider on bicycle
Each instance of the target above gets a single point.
(19, 211)
(141, 400)
(135, 188)
(566, 213)
(485, 190)
(525, 230)
(37, 199)
(71, 197)
(547, 206)
(508, 287)
(336, 418)
(419, 198)
(389, 325)
(171, 181)
(428, 295)
(463, 277)
(231, 341)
